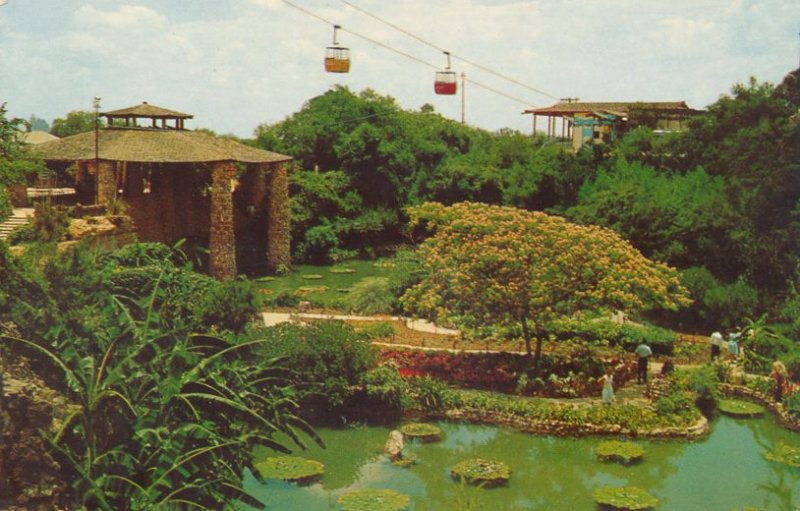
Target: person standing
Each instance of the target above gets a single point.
(779, 374)
(608, 386)
(716, 345)
(643, 352)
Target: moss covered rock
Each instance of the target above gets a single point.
(373, 500)
(739, 408)
(422, 431)
(488, 473)
(620, 452)
(290, 468)
(626, 498)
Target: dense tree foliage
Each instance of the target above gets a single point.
(363, 159)
(75, 122)
(16, 163)
(722, 196)
(492, 266)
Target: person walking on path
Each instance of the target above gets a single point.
(608, 386)
(643, 351)
(716, 345)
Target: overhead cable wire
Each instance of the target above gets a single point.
(400, 52)
(436, 47)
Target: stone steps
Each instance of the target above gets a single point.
(20, 217)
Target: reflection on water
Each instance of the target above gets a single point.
(724, 471)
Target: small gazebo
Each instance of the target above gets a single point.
(177, 183)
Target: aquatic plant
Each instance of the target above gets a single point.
(422, 431)
(628, 498)
(739, 408)
(622, 452)
(487, 473)
(373, 500)
(784, 453)
(290, 468)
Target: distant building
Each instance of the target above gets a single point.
(601, 122)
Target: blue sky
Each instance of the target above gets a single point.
(237, 63)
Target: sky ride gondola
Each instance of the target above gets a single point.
(337, 58)
(446, 83)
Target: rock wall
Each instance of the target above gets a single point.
(30, 479)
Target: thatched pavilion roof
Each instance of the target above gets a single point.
(153, 146)
(619, 109)
(146, 110)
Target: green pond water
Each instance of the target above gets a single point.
(724, 471)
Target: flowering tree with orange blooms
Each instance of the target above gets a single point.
(502, 267)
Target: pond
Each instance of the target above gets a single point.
(722, 472)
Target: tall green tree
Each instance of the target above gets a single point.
(16, 162)
(75, 122)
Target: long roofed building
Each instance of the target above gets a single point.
(181, 184)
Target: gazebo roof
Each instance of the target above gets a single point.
(146, 110)
(154, 146)
(36, 137)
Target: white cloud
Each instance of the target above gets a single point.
(127, 16)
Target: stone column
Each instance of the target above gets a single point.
(222, 242)
(106, 182)
(278, 220)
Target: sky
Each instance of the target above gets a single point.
(235, 64)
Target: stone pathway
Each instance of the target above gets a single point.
(18, 218)
(420, 325)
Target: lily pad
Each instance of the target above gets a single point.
(290, 468)
(488, 473)
(739, 408)
(422, 431)
(312, 276)
(626, 498)
(342, 270)
(265, 279)
(621, 452)
(786, 454)
(373, 500)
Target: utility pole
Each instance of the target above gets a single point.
(96, 105)
(463, 98)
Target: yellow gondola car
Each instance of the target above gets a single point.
(337, 58)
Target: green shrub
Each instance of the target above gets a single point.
(372, 295)
(726, 305)
(627, 336)
(136, 255)
(703, 382)
(228, 305)
(429, 393)
(50, 222)
(676, 403)
(5, 204)
(385, 386)
(660, 340)
(318, 243)
(377, 329)
(328, 359)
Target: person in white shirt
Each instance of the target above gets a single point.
(643, 351)
(716, 345)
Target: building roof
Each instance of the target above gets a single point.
(617, 108)
(147, 110)
(36, 137)
(154, 146)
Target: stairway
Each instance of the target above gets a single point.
(20, 217)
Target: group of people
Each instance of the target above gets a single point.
(718, 342)
(643, 354)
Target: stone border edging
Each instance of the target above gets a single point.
(559, 428)
(785, 419)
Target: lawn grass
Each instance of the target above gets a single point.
(324, 286)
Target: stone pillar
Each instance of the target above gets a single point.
(278, 220)
(106, 182)
(222, 242)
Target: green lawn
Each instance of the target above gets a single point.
(323, 286)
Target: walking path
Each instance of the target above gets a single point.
(420, 325)
(18, 218)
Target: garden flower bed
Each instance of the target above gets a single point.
(572, 374)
